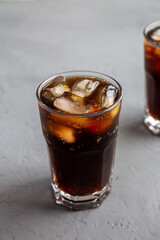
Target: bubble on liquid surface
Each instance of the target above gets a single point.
(155, 35)
(71, 103)
(107, 96)
(84, 88)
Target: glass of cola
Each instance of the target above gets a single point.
(79, 113)
(152, 76)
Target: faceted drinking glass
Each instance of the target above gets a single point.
(152, 76)
(81, 148)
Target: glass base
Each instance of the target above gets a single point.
(80, 202)
(152, 124)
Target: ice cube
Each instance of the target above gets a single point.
(59, 89)
(71, 103)
(115, 111)
(100, 124)
(57, 80)
(47, 95)
(157, 54)
(66, 134)
(85, 87)
(107, 95)
(155, 35)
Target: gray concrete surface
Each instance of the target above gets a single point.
(41, 38)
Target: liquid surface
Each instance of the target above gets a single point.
(79, 94)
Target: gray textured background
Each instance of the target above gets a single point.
(41, 38)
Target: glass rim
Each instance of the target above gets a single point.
(80, 72)
(149, 27)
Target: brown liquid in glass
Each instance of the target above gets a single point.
(152, 72)
(84, 166)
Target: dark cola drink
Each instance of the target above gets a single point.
(79, 114)
(152, 74)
